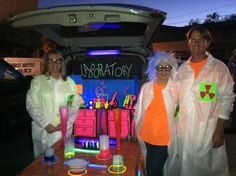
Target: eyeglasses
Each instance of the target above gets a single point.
(161, 68)
(58, 61)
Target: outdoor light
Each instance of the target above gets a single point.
(91, 15)
(103, 52)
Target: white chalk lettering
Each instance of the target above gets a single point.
(127, 69)
(107, 70)
(117, 70)
(100, 70)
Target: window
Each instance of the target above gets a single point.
(101, 29)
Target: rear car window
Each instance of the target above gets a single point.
(101, 29)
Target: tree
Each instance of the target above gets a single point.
(229, 17)
(214, 17)
(194, 22)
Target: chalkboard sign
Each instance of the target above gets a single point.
(107, 68)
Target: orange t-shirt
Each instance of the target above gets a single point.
(197, 66)
(154, 129)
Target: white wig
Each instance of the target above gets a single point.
(158, 58)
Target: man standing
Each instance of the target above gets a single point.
(205, 95)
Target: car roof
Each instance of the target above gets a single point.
(9, 68)
(94, 25)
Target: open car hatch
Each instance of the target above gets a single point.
(94, 25)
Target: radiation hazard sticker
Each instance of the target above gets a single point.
(207, 92)
(70, 100)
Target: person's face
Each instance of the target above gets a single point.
(54, 63)
(163, 71)
(197, 44)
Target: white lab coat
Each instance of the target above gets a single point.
(43, 100)
(197, 122)
(144, 99)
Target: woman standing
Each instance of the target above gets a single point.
(47, 93)
(152, 110)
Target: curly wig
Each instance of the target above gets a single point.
(158, 58)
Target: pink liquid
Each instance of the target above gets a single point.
(105, 153)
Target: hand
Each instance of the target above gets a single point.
(218, 138)
(58, 127)
(50, 128)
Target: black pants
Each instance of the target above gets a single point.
(155, 159)
(233, 116)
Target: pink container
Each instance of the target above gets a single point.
(64, 113)
(125, 124)
(117, 116)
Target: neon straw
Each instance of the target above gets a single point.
(98, 166)
(86, 151)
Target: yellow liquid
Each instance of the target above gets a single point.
(69, 154)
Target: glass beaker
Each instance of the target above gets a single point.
(104, 146)
(69, 150)
(117, 162)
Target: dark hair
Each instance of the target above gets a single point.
(45, 64)
(204, 32)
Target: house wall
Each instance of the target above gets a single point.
(12, 7)
(180, 48)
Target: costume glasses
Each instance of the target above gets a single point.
(57, 61)
(161, 68)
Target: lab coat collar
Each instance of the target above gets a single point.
(208, 62)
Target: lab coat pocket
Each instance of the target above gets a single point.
(203, 155)
(206, 130)
(211, 161)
